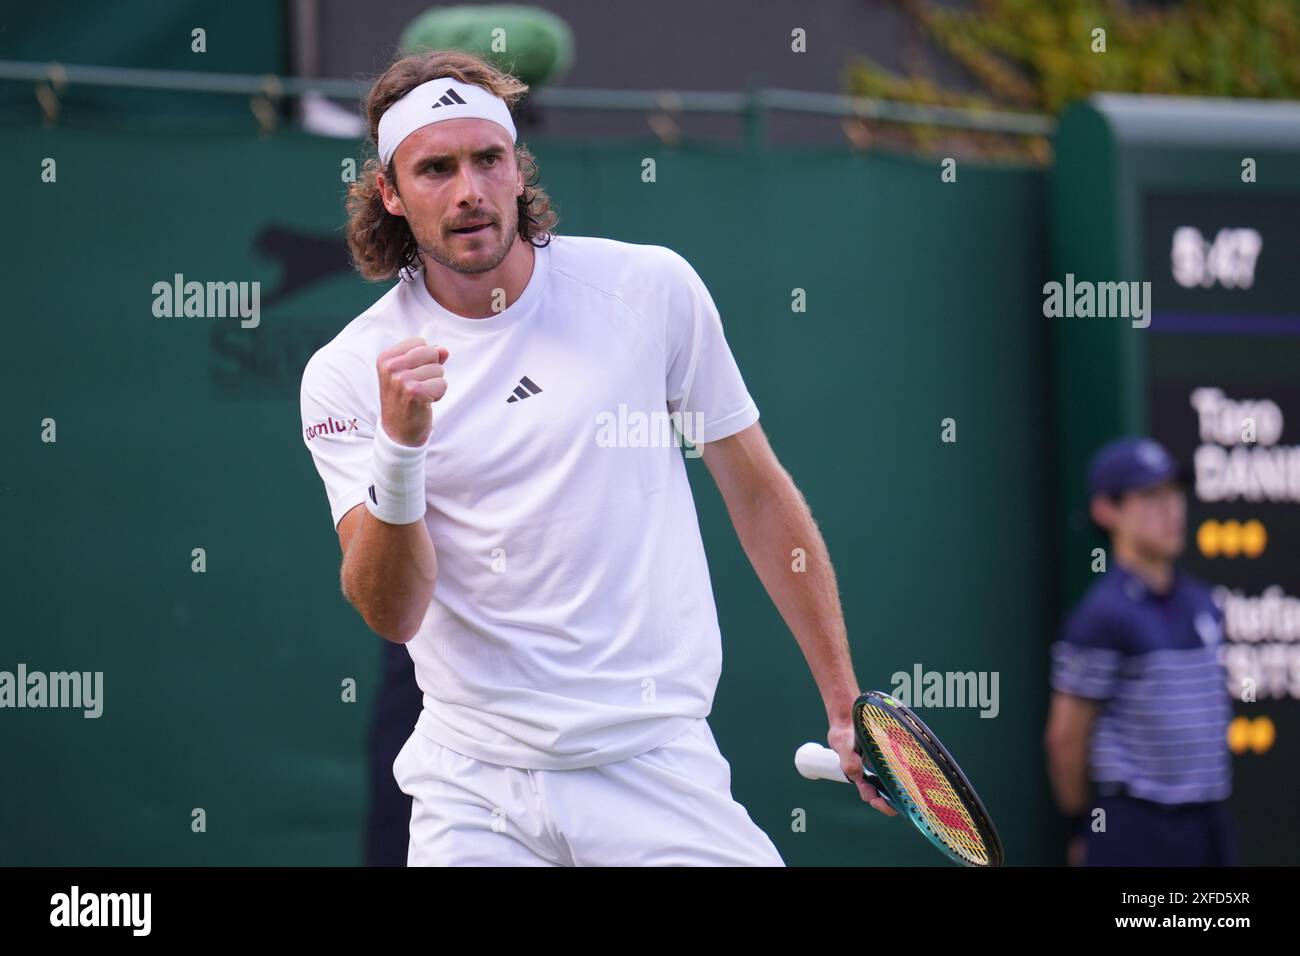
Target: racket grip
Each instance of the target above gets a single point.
(816, 762)
(821, 763)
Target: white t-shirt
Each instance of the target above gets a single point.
(573, 621)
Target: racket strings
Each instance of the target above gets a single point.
(923, 783)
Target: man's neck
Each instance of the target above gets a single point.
(1156, 573)
(474, 295)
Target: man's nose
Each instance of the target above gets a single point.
(468, 188)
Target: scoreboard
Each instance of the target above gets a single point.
(1200, 198)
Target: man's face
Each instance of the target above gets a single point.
(1153, 520)
(456, 174)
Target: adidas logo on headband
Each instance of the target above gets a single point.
(450, 98)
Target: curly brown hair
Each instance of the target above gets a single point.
(381, 244)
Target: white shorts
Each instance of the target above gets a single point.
(671, 806)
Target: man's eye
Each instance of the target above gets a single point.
(492, 160)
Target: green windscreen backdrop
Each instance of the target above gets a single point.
(224, 687)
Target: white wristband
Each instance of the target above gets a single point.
(396, 494)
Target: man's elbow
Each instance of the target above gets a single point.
(400, 637)
(769, 494)
(391, 627)
(391, 624)
(396, 630)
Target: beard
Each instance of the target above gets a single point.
(475, 257)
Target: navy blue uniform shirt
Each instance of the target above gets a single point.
(1154, 661)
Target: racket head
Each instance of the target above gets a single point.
(923, 781)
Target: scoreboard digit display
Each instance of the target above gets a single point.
(1202, 200)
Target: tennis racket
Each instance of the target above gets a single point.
(916, 775)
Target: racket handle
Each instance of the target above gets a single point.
(821, 763)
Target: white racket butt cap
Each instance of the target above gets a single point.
(816, 762)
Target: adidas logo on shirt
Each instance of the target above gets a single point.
(524, 383)
(450, 98)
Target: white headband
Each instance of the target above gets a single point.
(433, 102)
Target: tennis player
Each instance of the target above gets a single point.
(505, 512)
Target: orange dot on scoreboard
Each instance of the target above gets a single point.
(1253, 539)
(1262, 734)
(1239, 734)
(1207, 538)
(1230, 538)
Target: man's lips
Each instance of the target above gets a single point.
(471, 229)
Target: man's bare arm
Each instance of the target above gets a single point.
(1069, 727)
(389, 572)
(772, 520)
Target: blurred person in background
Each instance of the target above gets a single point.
(1137, 726)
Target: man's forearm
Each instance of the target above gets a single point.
(389, 573)
(1070, 722)
(786, 549)
(1067, 769)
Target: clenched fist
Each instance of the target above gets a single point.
(410, 379)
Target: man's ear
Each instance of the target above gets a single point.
(1103, 511)
(388, 194)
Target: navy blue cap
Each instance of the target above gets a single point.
(1129, 463)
